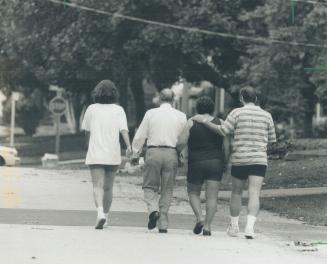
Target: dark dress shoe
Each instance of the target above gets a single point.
(153, 218)
(163, 231)
(206, 232)
(100, 223)
(198, 228)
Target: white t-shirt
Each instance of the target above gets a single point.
(104, 122)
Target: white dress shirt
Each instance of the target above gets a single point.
(104, 122)
(160, 127)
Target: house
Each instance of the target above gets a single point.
(186, 95)
(320, 116)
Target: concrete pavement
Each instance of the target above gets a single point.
(47, 216)
(58, 245)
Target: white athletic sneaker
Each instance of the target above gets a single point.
(106, 224)
(249, 233)
(233, 230)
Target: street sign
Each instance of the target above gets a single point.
(57, 105)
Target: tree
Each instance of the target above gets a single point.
(75, 49)
(279, 71)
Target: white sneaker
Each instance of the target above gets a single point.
(233, 230)
(249, 233)
(106, 224)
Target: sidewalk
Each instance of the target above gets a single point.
(67, 245)
(49, 215)
(57, 197)
(31, 188)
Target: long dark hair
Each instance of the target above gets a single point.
(105, 93)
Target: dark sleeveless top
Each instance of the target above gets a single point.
(204, 144)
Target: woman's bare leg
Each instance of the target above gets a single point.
(212, 188)
(255, 184)
(235, 205)
(98, 175)
(194, 193)
(236, 196)
(108, 187)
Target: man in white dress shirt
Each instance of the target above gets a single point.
(160, 128)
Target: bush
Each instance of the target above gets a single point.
(320, 131)
(283, 145)
(280, 149)
(29, 111)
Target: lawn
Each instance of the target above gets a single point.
(280, 174)
(37, 146)
(302, 173)
(309, 209)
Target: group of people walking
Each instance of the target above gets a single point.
(207, 143)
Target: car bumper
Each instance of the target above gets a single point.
(17, 161)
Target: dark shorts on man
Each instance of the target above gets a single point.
(203, 170)
(243, 172)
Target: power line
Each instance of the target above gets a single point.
(189, 29)
(310, 2)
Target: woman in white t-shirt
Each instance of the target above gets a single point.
(103, 122)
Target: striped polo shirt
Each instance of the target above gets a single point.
(253, 129)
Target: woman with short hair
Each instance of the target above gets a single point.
(208, 155)
(103, 122)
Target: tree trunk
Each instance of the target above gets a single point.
(78, 102)
(308, 93)
(308, 124)
(137, 89)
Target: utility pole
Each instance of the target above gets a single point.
(14, 99)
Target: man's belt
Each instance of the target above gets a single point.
(167, 147)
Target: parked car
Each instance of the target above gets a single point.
(8, 156)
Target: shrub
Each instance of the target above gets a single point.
(320, 131)
(280, 149)
(29, 111)
(284, 143)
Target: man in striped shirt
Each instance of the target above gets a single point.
(253, 128)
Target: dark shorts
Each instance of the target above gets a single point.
(243, 172)
(203, 170)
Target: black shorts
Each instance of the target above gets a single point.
(243, 172)
(202, 170)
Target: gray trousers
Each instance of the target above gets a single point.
(158, 181)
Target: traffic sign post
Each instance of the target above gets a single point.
(57, 107)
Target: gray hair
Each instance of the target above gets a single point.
(166, 95)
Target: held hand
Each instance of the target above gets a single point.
(134, 158)
(129, 152)
(182, 158)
